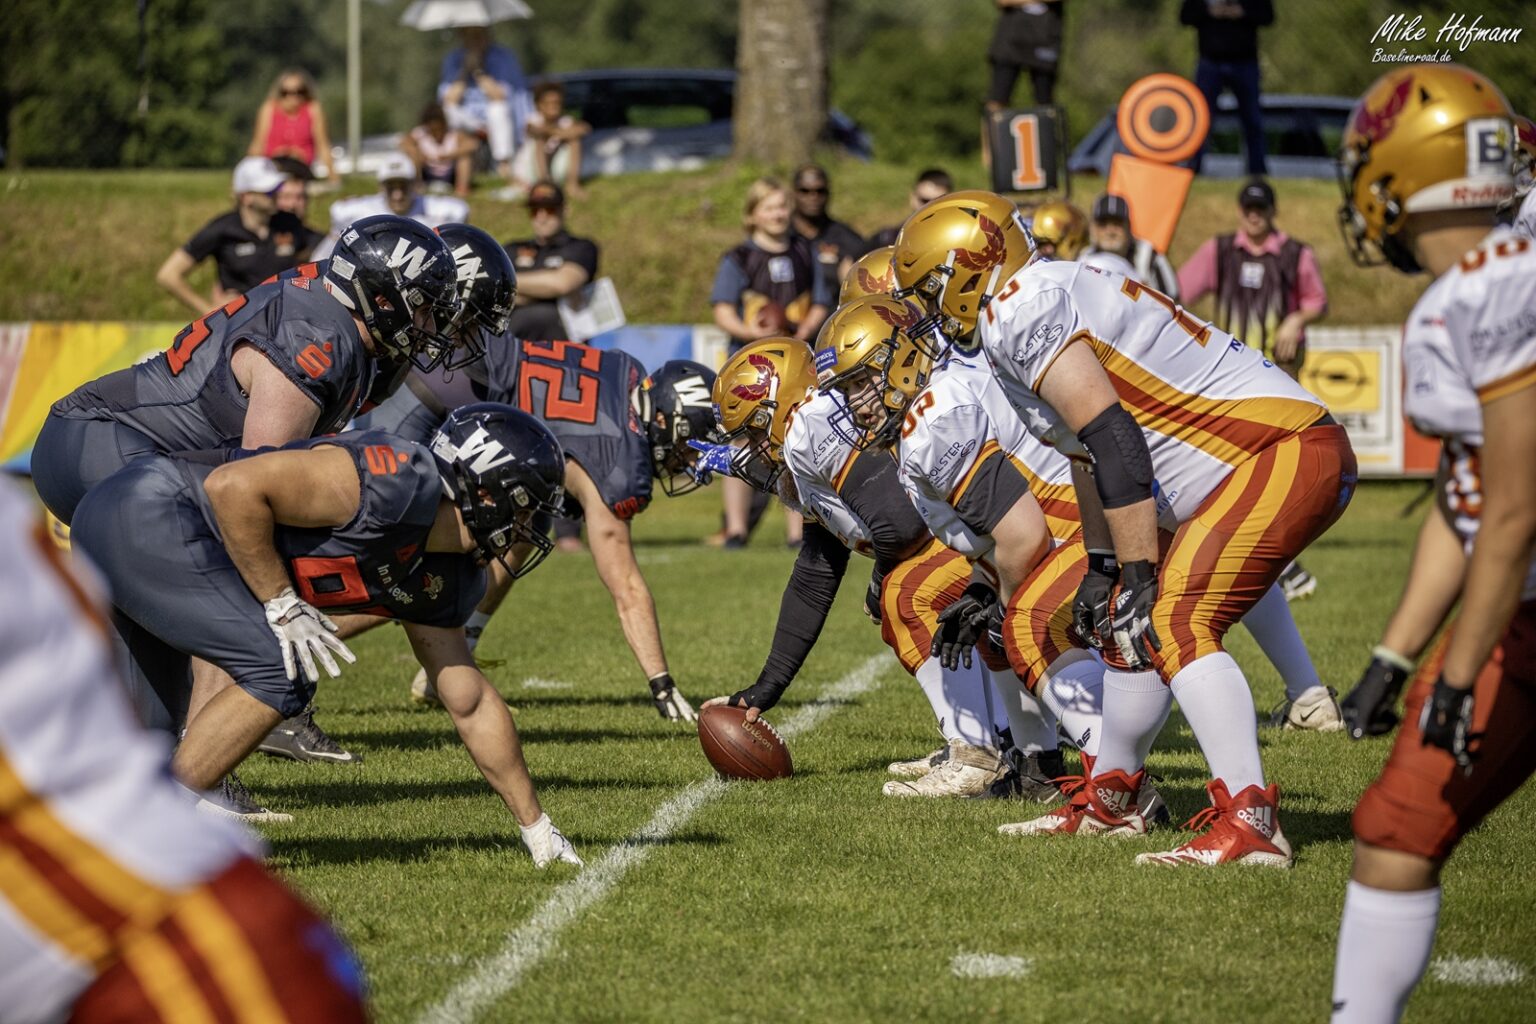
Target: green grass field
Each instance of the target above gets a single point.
(817, 898)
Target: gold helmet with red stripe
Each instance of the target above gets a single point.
(755, 394)
(878, 353)
(955, 253)
(1062, 227)
(870, 275)
(1423, 138)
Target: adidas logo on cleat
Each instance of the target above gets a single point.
(1260, 819)
(1116, 801)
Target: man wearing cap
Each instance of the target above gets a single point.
(1266, 283)
(550, 266)
(1113, 247)
(1267, 290)
(400, 194)
(248, 244)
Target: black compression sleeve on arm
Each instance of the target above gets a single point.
(995, 487)
(1122, 464)
(813, 583)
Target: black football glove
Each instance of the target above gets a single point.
(1446, 722)
(1090, 609)
(872, 600)
(670, 702)
(1132, 618)
(1368, 708)
(962, 624)
(761, 695)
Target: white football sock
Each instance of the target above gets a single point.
(1136, 705)
(1073, 690)
(1384, 944)
(1214, 696)
(961, 701)
(474, 627)
(1031, 725)
(1274, 629)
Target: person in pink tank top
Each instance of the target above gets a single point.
(290, 126)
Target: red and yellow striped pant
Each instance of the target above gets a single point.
(911, 598)
(1038, 626)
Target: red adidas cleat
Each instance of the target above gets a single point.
(1112, 804)
(1243, 829)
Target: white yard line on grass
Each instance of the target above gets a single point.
(528, 944)
(1476, 971)
(545, 684)
(989, 965)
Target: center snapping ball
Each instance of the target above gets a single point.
(740, 749)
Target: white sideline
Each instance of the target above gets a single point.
(1476, 971)
(989, 965)
(528, 944)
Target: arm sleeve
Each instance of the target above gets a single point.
(730, 282)
(994, 488)
(1198, 274)
(202, 245)
(1311, 295)
(813, 584)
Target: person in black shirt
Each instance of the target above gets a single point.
(550, 265)
(249, 244)
(1229, 59)
(1027, 37)
(834, 244)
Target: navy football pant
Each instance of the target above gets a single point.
(73, 455)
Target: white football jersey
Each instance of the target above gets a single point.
(86, 802)
(954, 424)
(1525, 216)
(817, 456)
(1205, 401)
(429, 210)
(1470, 338)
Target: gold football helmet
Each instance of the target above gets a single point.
(871, 275)
(1423, 138)
(1061, 226)
(956, 252)
(755, 393)
(878, 352)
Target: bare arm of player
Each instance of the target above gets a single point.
(479, 714)
(552, 284)
(1020, 539)
(172, 276)
(1076, 386)
(1435, 577)
(1502, 550)
(614, 556)
(277, 411)
(317, 487)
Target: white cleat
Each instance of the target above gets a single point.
(918, 767)
(969, 772)
(1316, 710)
(231, 800)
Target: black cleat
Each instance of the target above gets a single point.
(301, 739)
(232, 800)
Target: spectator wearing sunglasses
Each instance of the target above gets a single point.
(291, 129)
(248, 244)
(834, 244)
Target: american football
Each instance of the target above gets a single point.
(1095, 434)
(739, 749)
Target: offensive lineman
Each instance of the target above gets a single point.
(1248, 463)
(1426, 160)
(235, 565)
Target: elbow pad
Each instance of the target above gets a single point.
(1122, 464)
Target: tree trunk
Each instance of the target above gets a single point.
(781, 91)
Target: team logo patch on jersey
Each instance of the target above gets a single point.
(431, 585)
(757, 390)
(992, 255)
(1378, 124)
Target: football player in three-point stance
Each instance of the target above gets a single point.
(1425, 162)
(767, 400)
(1250, 466)
(118, 901)
(240, 564)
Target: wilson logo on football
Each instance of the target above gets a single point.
(1377, 124)
(757, 390)
(989, 257)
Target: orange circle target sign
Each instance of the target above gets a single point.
(1163, 118)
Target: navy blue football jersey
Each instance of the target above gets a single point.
(187, 398)
(378, 564)
(582, 394)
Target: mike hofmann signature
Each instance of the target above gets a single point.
(1455, 32)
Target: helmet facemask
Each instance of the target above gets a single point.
(757, 459)
(881, 385)
(500, 522)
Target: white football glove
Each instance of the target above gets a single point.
(300, 628)
(546, 843)
(670, 702)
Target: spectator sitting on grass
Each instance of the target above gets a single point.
(551, 149)
(400, 194)
(248, 244)
(290, 126)
(930, 185)
(444, 155)
(484, 93)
